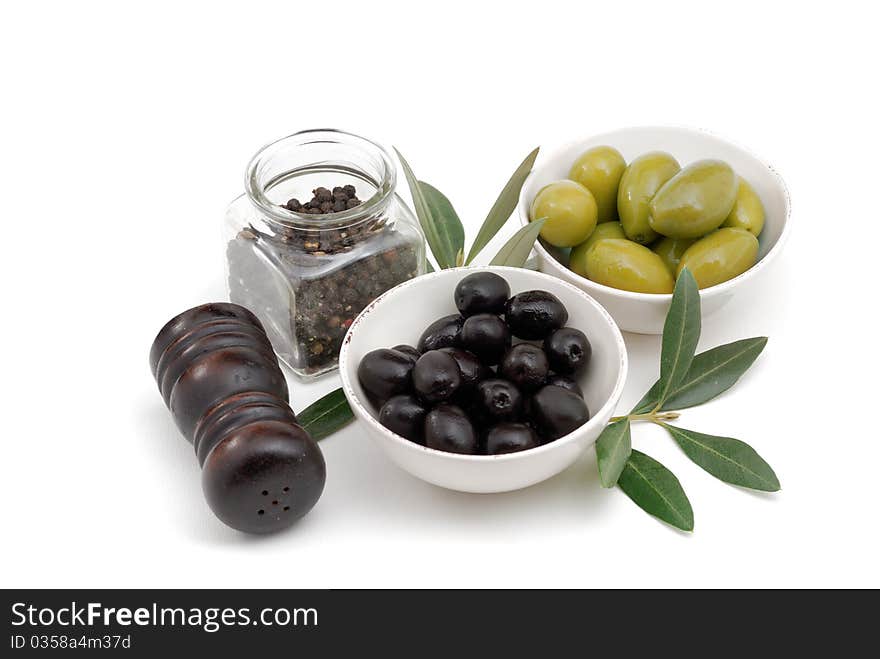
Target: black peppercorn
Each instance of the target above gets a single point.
(326, 299)
(324, 201)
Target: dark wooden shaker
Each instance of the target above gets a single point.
(218, 375)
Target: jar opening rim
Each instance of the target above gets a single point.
(385, 181)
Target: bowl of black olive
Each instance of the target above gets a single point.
(483, 379)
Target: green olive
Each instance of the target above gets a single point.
(720, 256)
(670, 251)
(695, 201)
(640, 182)
(748, 211)
(599, 170)
(578, 259)
(570, 210)
(629, 266)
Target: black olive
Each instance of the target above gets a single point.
(471, 368)
(510, 438)
(447, 428)
(486, 336)
(526, 366)
(533, 315)
(436, 376)
(557, 411)
(408, 350)
(499, 399)
(384, 373)
(568, 350)
(565, 382)
(481, 292)
(405, 415)
(442, 333)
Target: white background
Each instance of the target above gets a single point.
(125, 132)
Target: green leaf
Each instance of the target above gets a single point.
(726, 458)
(711, 373)
(681, 332)
(503, 206)
(428, 266)
(326, 415)
(656, 490)
(446, 221)
(515, 251)
(444, 257)
(613, 449)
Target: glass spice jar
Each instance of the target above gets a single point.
(307, 273)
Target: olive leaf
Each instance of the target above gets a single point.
(439, 247)
(326, 415)
(681, 332)
(503, 206)
(711, 373)
(656, 490)
(446, 221)
(515, 251)
(728, 459)
(613, 449)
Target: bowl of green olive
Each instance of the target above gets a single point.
(624, 212)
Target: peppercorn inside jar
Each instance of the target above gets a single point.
(319, 234)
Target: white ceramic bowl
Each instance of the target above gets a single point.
(401, 315)
(645, 313)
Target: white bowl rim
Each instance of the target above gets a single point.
(717, 289)
(611, 401)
